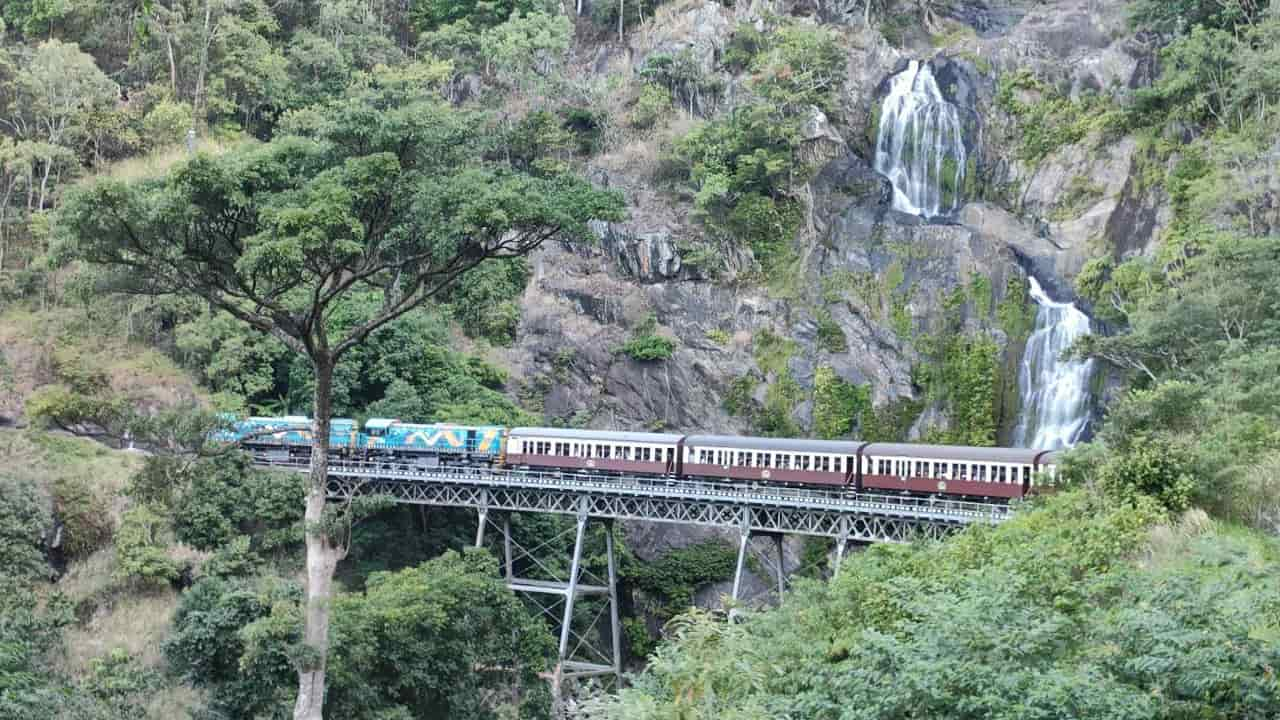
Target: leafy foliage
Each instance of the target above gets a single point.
(140, 549)
(1094, 632)
(431, 14)
(25, 524)
(837, 404)
(646, 345)
(29, 630)
(409, 644)
(84, 515)
(678, 574)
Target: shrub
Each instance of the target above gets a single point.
(167, 123)
(484, 300)
(84, 514)
(676, 576)
(837, 404)
(646, 345)
(1152, 468)
(739, 399)
(653, 106)
(25, 522)
(233, 559)
(140, 550)
(830, 335)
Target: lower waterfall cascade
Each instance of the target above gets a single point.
(1054, 392)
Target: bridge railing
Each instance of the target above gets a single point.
(840, 500)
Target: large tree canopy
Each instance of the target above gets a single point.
(370, 192)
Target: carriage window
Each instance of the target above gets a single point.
(1026, 473)
(784, 461)
(741, 460)
(804, 462)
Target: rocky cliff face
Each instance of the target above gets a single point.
(882, 278)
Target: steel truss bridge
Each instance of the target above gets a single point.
(753, 511)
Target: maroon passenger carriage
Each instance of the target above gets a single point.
(632, 453)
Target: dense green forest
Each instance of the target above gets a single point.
(170, 582)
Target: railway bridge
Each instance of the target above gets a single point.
(752, 511)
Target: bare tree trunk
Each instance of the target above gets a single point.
(322, 557)
(206, 43)
(622, 9)
(4, 210)
(44, 182)
(173, 67)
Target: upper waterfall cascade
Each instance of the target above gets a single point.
(920, 144)
(1055, 392)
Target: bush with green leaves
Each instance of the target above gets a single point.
(25, 526)
(526, 46)
(674, 577)
(206, 643)
(30, 630)
(652, 106)
(830, 335)
(84, 515)
(683, 75)
(837, 404)
(167, 123)
(140, 549)
(646, 345)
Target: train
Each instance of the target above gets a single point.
(976, 473)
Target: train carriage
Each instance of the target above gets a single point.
(777, 460)
(594, 450)
(952, 470)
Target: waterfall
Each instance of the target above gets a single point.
(920, 144)
(1055, 392)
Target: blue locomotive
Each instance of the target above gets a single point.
(289, 438)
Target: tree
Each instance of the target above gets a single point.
(378, 192)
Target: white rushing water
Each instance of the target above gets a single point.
(920, 144)
(1055, 393)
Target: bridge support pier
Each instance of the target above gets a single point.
(484, 516)
(842, 544)
(744, 545)
(578, 651)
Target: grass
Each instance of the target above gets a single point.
(31, 340)
(45, 457)
(136, 623)
(159, 161)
